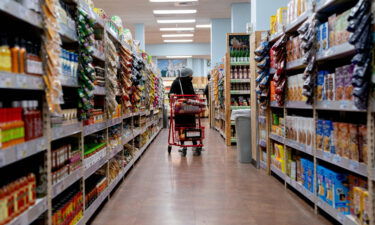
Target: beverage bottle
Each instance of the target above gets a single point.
(5, 56)
(22, 57)
(37, 119)
(28, 120)
(15, 50)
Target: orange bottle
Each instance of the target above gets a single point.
(14, 51)
(22, 57)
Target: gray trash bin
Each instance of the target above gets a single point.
(243, 133)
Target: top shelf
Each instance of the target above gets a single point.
(335, 52)
(329, 6)
(20, 12)
(293, 26)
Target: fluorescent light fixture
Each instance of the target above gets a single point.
(178, 56)
(177, 21)
(177, 29)
(173, 0)
(176, 41)
(176, 11)
(203, 26)
(177, 35)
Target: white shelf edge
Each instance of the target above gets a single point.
(31, 214)
(17, 10)
(22, 151)
(21, 81)
(344, 105)
(93, 128)
(336, 51)
(298, 21)
(61, 186)
(296, 64)
(95, 205)
(277, 138)
(66, 130)
(92, 169)
(299, 146)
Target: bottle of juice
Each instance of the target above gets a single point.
(5, 55)
(15, 50)
(22, 56)
(29, 122)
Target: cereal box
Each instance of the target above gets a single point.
(339, 83)
(353, 142)
(362, 142)
(327, 131)
(324, 38)
(319, 134)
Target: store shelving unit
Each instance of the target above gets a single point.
(26, 85)
(232, 63)
(318, 110)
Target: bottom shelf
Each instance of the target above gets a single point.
(31, 214)
(96, 204)
(343, 219)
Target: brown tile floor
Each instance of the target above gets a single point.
(209, 190)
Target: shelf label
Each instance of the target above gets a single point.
(340, 217)
(327, 156)
(354, 165)
(336, 159)
(2, 159)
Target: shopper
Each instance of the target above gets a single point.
(183, 85)
(207, 90)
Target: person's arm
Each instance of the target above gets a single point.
(206, 92)
(174, 88)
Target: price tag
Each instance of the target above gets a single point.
(336, 159)
(353, 165)
(327, 156)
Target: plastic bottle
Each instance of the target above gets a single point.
(3, 215)
(38, 131)
(22, 56)
(15, 50)
(5, 56)
(27, 118)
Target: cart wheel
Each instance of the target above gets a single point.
(184, 152)
(169, 149)
(198, 152)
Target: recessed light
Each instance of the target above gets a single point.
(177, 35)
(177, 21)
(176, 41)
(173, 0)
(182, 11)
(203, 26)
(178, 56)
(177, 29)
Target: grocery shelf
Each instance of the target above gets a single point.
(114, 121)
(276, 36)
(240, 63)
(31, 214)
(277, 138)
(343, 219)
(262, 119)
(115, 150)
(296, 64)
(301, 189)
(20, 81)
(327, 6)
(98, 55)
(22, 13)
(274, 104)
(95, 205)
(67, 33)
(234, 81)
(351, 165)
(297, 105)
(263, 164)
(242, 92)
(239, 107)
(338, 51)
(298, 146)
(69, 81)
(278, 172)
(293, 26)
(262, 143)
(21, 151)
(99, 90)
(66, 130)
(127, 140)
(89, 170)
(338, 106)
(66, 182)
(93, 128)
(127, 116)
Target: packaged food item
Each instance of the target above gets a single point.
(319, 134)
(353, 142)
(324, 38)
(343, 139)
(327, 130)
(362, 143)
(320, 85)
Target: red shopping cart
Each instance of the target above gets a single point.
(185, 123)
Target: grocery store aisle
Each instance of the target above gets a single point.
(212, 189)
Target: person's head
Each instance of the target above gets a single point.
(187, 73)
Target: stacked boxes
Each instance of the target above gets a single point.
(293, 49)
(335, 86)
(295, 88)
(296, 8)
(307, 172)
(300, 129)
(344, 139)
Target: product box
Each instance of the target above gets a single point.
(321, 190)
(347, 73)
(356, 209)
(331, 29)
(339, 83)
(320, 85)
(319, 134)
(324, 38)
(362, 142)
(343, 142)
(281, 17)
(329, 187)
(365, 220)
(273, 22)
(353, 142)
(293, 170)
(327, 131)
(341, 193)
(335, 139)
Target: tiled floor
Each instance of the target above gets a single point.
(213, 189)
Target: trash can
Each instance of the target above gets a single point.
(243, 135)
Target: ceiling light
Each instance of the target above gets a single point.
(177, 35)
(178, 56)
(177, 29)
(182, 11)
(173, 0)
(177, 21)
(174, 41)
(203, 26)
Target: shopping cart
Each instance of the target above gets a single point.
(189, 107)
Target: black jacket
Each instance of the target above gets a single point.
(188, 89)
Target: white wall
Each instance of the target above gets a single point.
(262, 10)
(219, 30)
